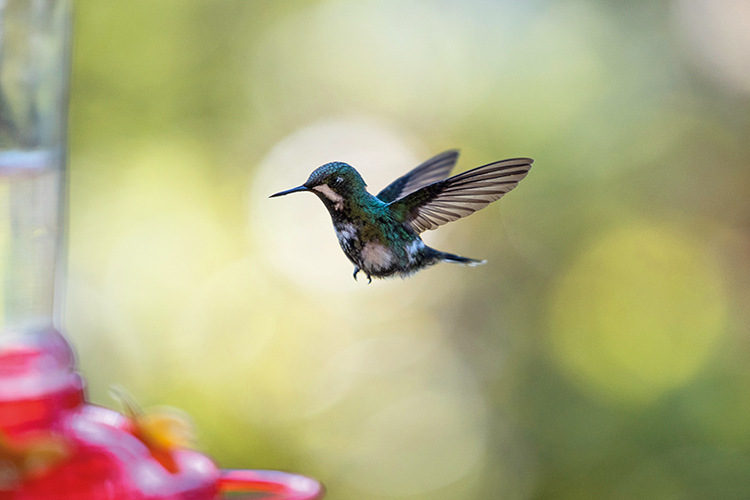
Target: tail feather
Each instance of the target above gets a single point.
(457, 259)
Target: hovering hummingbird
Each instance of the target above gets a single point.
(380, 234)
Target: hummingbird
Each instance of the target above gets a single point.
(381, 234)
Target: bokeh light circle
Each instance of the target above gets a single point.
(636, 314)
(294, 233)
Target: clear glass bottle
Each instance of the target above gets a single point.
(35, 359)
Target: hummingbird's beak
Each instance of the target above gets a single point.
(289, 191)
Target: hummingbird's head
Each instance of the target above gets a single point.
(333, 183)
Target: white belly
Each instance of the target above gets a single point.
(376, 256)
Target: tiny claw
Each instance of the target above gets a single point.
(369, 279)
(356, 270)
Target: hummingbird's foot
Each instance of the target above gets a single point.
(369, 278)
(356, 271)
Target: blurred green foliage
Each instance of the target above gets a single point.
(600, 354)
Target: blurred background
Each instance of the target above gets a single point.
(601, 353)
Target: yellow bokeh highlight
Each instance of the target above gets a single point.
(637, 314)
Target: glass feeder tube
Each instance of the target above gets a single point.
(34, 358)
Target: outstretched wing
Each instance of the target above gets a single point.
(434, 169)
(458, 196)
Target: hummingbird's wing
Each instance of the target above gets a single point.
(434, 169)
(458, 196)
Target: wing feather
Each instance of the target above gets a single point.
(435, 169)
(461, 195)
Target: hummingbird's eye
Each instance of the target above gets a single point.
(337, 181)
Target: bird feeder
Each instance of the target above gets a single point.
(53, 443)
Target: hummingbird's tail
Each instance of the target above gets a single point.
(457, 259)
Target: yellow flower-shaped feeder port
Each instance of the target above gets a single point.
(163, 429)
